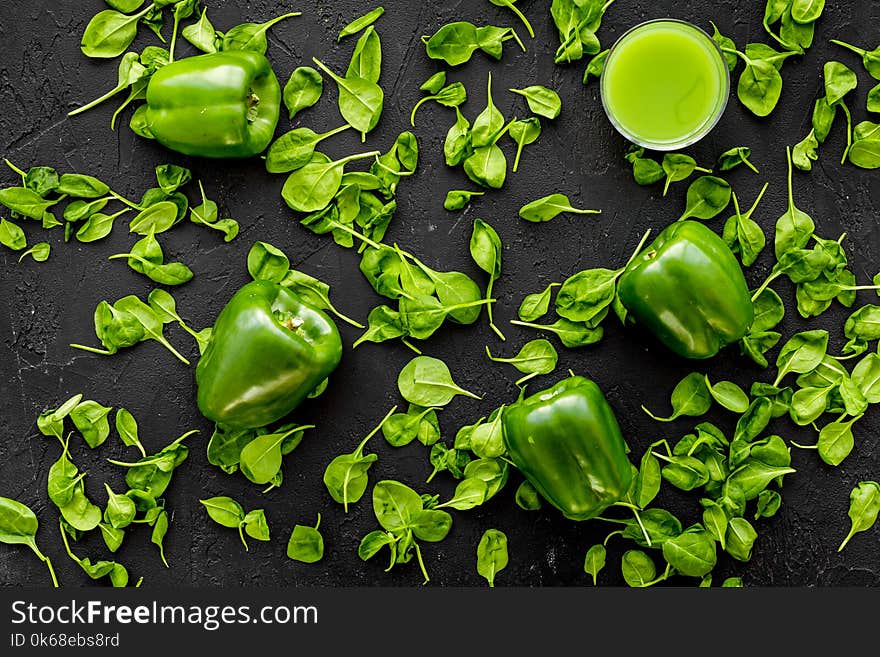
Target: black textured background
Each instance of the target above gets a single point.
(43, 307)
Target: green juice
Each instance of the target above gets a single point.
(665, 84)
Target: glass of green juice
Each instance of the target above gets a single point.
(665, 84)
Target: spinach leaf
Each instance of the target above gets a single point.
(485, 249)
(523, 133)
(864, 507)
(302, 90)
(360, 100)
(541, 100)
(252, 36)
(346, 475)
(536, 357)
(110, 32)
(306, 543)
(549, 207)
(18, 526)
(690, 396)
(295, 149)
(426, 381)
(527, 498)
(707, 197)
(795, 227)
(594, 561)
(313, 186)
(492, 554)
(534, 306)
(457, 199)
(360, 23)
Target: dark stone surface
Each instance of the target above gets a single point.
(43, 307)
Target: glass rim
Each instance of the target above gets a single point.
(708, 125)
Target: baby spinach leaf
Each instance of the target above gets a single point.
(426, 381)
(366, 60)
(90, 419)
(536, 357)
(303, 89)
(457, 199)
(346, 475)
(306, 543)
(541, 100)
(312, 187)
(360, 100)
(295, 149)
(549, 207)
(252, 36)
(863, 509)
(12, 236)
(527, 498)
(805, 152)
(836, 441)
(870, 58)
(534, 306)
(729, 395)
(523, 133)
(743, 234)
(741, 537)
(691, 553)
(795, 227)
(594, 561)
(839, 81)
(485, 249)
(760, 84)
(18, 526)
(637, 568)
(492, 554)
(360, 23)
(733, 157)
(224, 511)
(595, 66)
(707, 197)
(690, 397)
(452, 95)
(110, 32)
(201, 34)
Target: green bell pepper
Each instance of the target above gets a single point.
(689, 291)
(267, 352)
(567, 443)
(223, 104)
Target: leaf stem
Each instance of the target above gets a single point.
(421, 563)
(411, 346)
(93, 350)
(848, 131)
